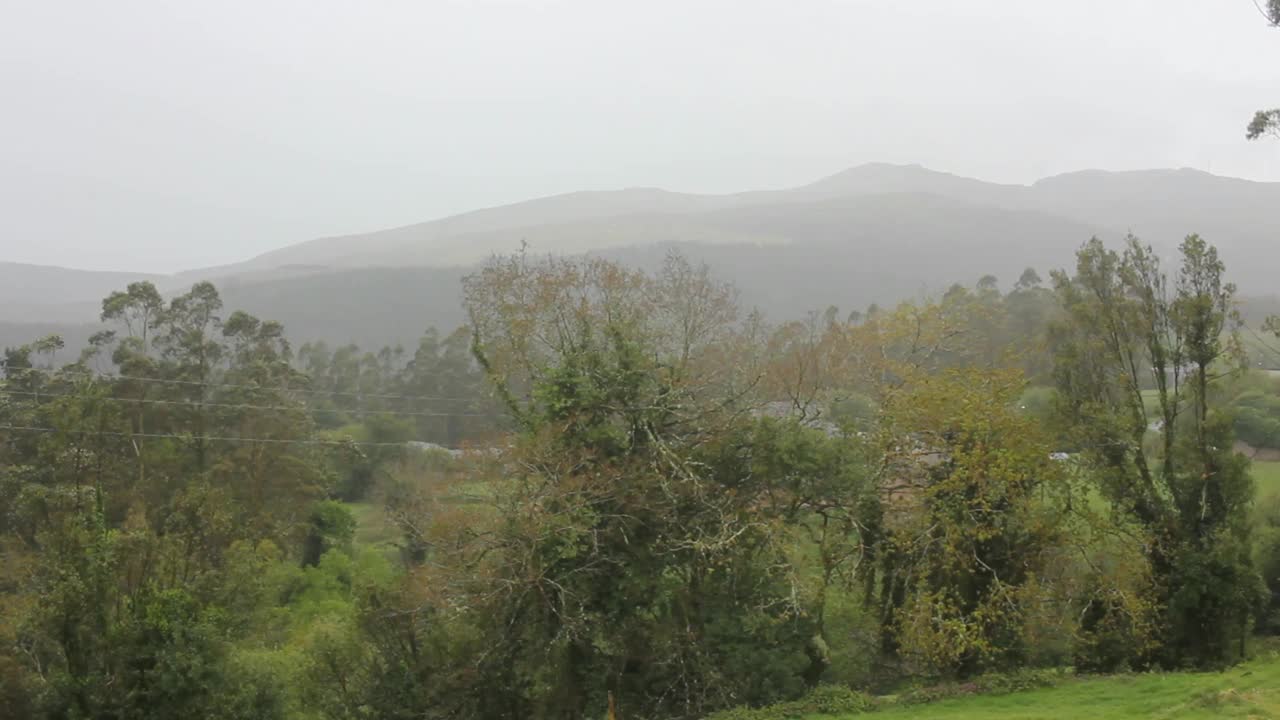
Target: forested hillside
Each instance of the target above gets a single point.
(622, 488)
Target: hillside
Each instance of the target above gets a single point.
(416, 242)
(55, 294)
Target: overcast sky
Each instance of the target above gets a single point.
(169, 135)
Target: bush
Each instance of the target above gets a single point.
(840, 700)
(1257, 418)
(836, 700)
(1267, 558)
(331, 526)
(990, 684)
(1258, 429)
(822, 700)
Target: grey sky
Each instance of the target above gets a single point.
(168, 135)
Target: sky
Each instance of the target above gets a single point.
(161, 136)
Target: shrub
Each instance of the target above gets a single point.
(822, 700)
(990, 684)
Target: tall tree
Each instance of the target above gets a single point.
(632, 552)
(1138, 356)
(190, 344)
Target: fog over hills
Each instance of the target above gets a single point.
(874, 233)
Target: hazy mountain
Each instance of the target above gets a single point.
(583, 221)
(848, 252)
(417, 240)
(1241, 217)
(853, 251)
(875, 233)
(883, 178)
(368, 306)
(55, 294)
(1163, 204)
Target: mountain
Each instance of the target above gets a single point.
(874, 233)
(583, 221)
(857, 250)
(55, 294)
(848, 252)
(1161, 205)
(1241, 217)
(883, 178)
(450, 236)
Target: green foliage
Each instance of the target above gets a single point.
(988, 684)
(330, 526)
(695, 511)
(1256, 412)
(822, 700)
(632, 552)
(974, 527)
(1125, 322)
(1266, 122)
(856, 411)
(1267, 557)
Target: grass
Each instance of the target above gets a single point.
(373, 528)
(1251, 690)
(1266, 475)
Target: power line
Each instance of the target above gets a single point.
(201, 383)
(243, 406)
(1266, 345)
(279, 441)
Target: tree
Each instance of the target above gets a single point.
(329, 526)
(1028, 308)
(973, 522)
(189, 342)
(1266, 122)
(1138, 358)
(120, 626)
(137, 308)
(632, 552)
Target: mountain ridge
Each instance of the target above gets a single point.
(877, 173)
(596, 205)
(870, 233)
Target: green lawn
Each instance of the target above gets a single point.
(1246, 691)
(1267, 477)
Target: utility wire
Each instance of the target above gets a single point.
(279, 441)
(1266, 345)
(241, 406)
(306, 391)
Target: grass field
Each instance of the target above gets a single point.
(1251, 690)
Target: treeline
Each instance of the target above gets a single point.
(670, 507)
